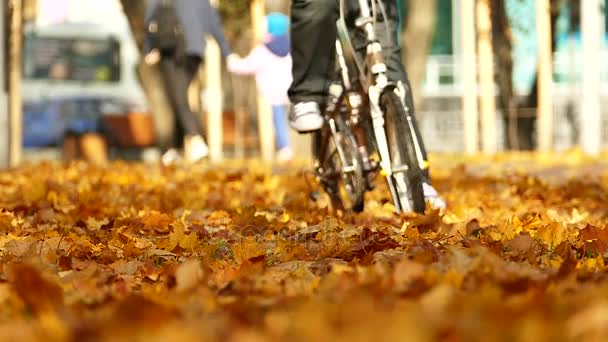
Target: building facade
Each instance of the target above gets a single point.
(441, 116)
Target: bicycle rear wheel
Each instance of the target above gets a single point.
(407, 174)
(340, 168)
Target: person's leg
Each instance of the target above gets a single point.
(167, 69)
(313, 37)
(177, 80)
(178, 74)
(178, 134)
(279, 114)
(185, 70)
(195, 147)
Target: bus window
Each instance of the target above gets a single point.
(72, 59)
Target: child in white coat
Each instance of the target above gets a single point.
(270, 62)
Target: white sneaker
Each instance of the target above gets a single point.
(305, 117)
(195, 148)
(170, 157)
(285, 154)
(432, 196)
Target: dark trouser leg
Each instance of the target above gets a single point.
(177, 75)
(313, 38)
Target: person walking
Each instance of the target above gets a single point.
(270, 62)
(175, 37)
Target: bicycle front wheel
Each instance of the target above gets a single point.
(407, 174)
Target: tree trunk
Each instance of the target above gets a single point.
(15, 102)
(469, 78)
(30, 10)
(417, 41)
(503, 51)
(527, 124)
(150, 77)
(486, 77)
(4, 126)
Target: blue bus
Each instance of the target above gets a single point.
(73, 74)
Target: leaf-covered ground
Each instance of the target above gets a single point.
(239, 253)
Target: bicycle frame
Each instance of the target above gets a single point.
(362, 83)
(375, 83)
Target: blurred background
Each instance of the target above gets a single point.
(487, 76)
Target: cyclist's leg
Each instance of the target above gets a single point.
(313, 36)
(396, 69)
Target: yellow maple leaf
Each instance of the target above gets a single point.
(175, 236)
(189, 242)
(552, 234)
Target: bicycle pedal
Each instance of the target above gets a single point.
(374, 165)
(369, 165)
(370, 181)
(371, 186)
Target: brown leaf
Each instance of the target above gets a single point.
(567, 267)
(595, 239)
(425, 223)
(406, 272)
(39, 294)
(252, 266)
(522, 246)
(188, 275)
(424, 252)
(135, 311)
(126, 267)
(372, 242)
(564, 250)
(473, 228)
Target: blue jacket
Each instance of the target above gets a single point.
(198, 19)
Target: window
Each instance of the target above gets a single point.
(442, 41)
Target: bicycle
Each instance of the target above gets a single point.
(368, 126)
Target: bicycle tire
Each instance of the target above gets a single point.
(357, 178)
(355, 196)
(403, 152)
